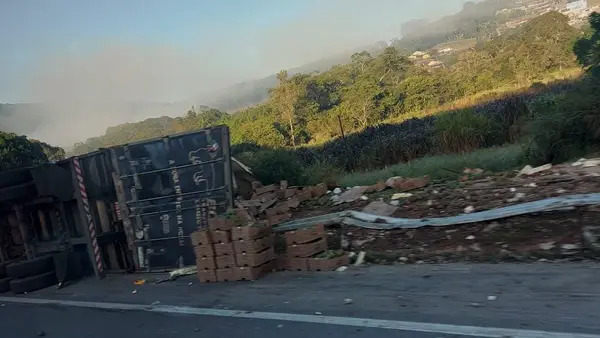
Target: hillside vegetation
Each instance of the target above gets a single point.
(389, 109)
(19, 151)
(307, 112)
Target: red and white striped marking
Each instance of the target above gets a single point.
(118, 211)
(88, 214)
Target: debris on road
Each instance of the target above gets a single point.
(341, 269)
(492, 298)
(348, 301)
(529, 170)
(380, 208)
(360, 259)
(400, 195)
(140, 282)
(186, 271)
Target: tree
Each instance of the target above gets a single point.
(17, 151)
(587, 49)
(360, 60)
(285, 97)
(393, 63)
(358, 103)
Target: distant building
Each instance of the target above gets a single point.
(447, 50)
(435, 64)
(419, 55)
(576, 5)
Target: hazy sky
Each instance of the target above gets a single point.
(134, 50)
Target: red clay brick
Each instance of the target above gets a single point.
(255, 259)
(200, 237)
(255, 245)
(302, 236)
(315, 264)
(243, 215)
(226, 261)
(220, 223)
(206, 263)
(319, 190)
(223, 249)
(280, 208)
(220, 236)
(207, 276)
(267, 197)
(265, 189)
(249, 232)
(226, 275)
(256, 185)
(304, 194)
(204, 251)
(293, 202)
(307, 249)
(253, 273)
(297, 264)
(282, 263)
(286, 193)
(278, 219)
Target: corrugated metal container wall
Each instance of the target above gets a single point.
(171, 185)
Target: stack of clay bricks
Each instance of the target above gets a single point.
(302, 245)
(227, 251)
(254, 251)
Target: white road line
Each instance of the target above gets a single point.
(473, 331)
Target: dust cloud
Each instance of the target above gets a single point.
(79, 92)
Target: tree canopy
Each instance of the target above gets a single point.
(376, 86)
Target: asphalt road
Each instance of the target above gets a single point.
(505, 300)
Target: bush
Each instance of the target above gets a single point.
(323, 172)
(564, 125)
(272, 166)
(462, 131)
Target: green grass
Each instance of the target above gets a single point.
(444, 166)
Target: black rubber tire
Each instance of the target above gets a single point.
(15, 177)
(33, 283)
(2, 270)
(4, 285)
(31, 267)
(18, 192)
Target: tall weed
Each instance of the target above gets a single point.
(462, 131)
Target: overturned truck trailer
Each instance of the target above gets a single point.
(117, 209)
(167, 188)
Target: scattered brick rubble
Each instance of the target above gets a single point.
(568, 235)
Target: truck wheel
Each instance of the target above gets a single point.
(4, 285)
(33, 283)
(31, 267)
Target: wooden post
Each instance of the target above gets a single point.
(349, 167)
(127, 226)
